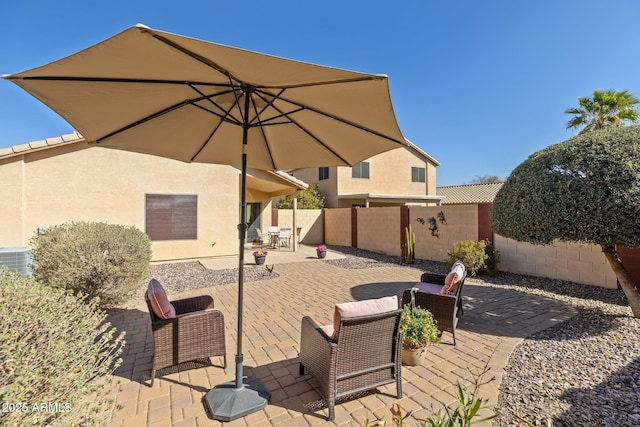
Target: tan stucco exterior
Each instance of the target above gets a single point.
(389, 182)
(78, 182)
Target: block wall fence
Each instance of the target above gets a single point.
(381, 229)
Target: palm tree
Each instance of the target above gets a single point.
(606, 108)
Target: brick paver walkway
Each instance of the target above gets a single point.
(495, 321)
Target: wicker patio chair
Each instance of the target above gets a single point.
(446, 309)
(197, 332)
(366, 355)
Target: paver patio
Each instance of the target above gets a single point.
(495, 320)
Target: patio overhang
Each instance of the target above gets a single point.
(274, 183)
(395, 199)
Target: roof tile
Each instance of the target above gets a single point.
(472, 193)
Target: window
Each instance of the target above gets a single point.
(323, 173)
(418, 175)
(171, 217)
(361, 170)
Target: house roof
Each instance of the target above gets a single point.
(42, 144)
(471, 193)
(422, 153)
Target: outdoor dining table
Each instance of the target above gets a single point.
(274, 238)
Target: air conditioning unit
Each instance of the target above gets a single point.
(16, 258)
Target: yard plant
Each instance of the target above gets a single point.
(93, 259)
(55, 349)
(586, 190)
(472, 254)
(418, 326)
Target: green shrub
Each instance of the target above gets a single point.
(418, 326)
(100, 260)
(466, 412)
(493, 258)
(470, 252)
(55, 350)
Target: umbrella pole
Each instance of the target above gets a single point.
(233, 400)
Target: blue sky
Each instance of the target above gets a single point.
(479, 85)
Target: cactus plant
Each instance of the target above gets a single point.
(407, 251)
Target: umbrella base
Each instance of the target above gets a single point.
(226, 403)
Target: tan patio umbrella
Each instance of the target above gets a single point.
(163, 94)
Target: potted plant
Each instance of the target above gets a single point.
(321, 251)
(420, 329)
(260, 256)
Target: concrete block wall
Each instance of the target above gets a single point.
(379, 230)
(337, 226)
(575, 262)
(461, 224)
(309, 221)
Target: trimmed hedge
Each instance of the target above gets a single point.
(97, 260)
(55, 350)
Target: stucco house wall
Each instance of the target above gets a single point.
(390, 173)
(78, 182)
(389, 182)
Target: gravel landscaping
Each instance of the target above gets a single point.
(582, 372)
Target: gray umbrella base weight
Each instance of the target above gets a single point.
(225, 402)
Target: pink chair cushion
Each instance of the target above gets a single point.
(327, 330)
(430, 288)
(159, 301)
(362, 308)
(453, 278)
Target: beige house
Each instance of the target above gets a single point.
(189, 210)
(403, 176)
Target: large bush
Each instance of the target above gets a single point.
(55, 350)
(93, 259)
(585, 189)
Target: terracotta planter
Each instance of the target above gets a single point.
(321, 254)
(413, 357)
(260, 260)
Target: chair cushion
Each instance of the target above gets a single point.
(430, 288)
(453, 278)
(159, 301)
(362, 308)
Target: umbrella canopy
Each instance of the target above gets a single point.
(159, 93)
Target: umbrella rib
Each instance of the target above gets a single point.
(206, 141)
(331, 116)
(195, 56)
(227, 73)
(117, 80)
(215, 129)
(264, 135)
(308, 133)
(158, 114)
(227, 113)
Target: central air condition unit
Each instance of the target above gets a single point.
(16, 258)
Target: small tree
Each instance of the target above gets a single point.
(586, 189)
(486, 179)
(311, 198)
